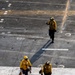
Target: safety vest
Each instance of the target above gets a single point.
(24, 64)
(47, 68)
(52, 25)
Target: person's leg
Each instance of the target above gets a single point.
(52, 39)
(48, 74)
(25, 72)
(50, 34)
(53, 36)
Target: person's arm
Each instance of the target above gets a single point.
(30, 65)
(20, 64)
(55, 25)
(30, 69)
(42, 70)
(48, 22)
(51, 68)
(20, 68)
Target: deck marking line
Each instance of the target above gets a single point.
(55, 49)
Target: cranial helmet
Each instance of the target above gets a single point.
(48, 62)
(52, 18)
(25, 57)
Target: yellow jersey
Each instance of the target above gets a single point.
(25, 64)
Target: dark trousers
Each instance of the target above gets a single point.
(25, 72)
(47, 74)
(51, 34)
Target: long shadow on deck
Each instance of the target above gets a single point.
(37, 55)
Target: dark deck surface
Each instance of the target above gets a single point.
(23, 32)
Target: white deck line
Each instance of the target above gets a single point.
(65, 16)
(55, 49)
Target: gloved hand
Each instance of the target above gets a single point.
(54, 30)
(46, 23)
(20, 72)
(40, 72)
(30, 71)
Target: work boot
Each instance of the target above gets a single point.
(52, 41)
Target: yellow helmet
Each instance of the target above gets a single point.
(52, 18)
(48, 62)
(25, 57)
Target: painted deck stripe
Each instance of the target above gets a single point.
(55, 49)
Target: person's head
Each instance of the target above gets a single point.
(47, 63)
(26, 57)
(52, 18)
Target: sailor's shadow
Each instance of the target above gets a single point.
(37, 55)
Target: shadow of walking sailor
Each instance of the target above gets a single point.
(37, 55)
